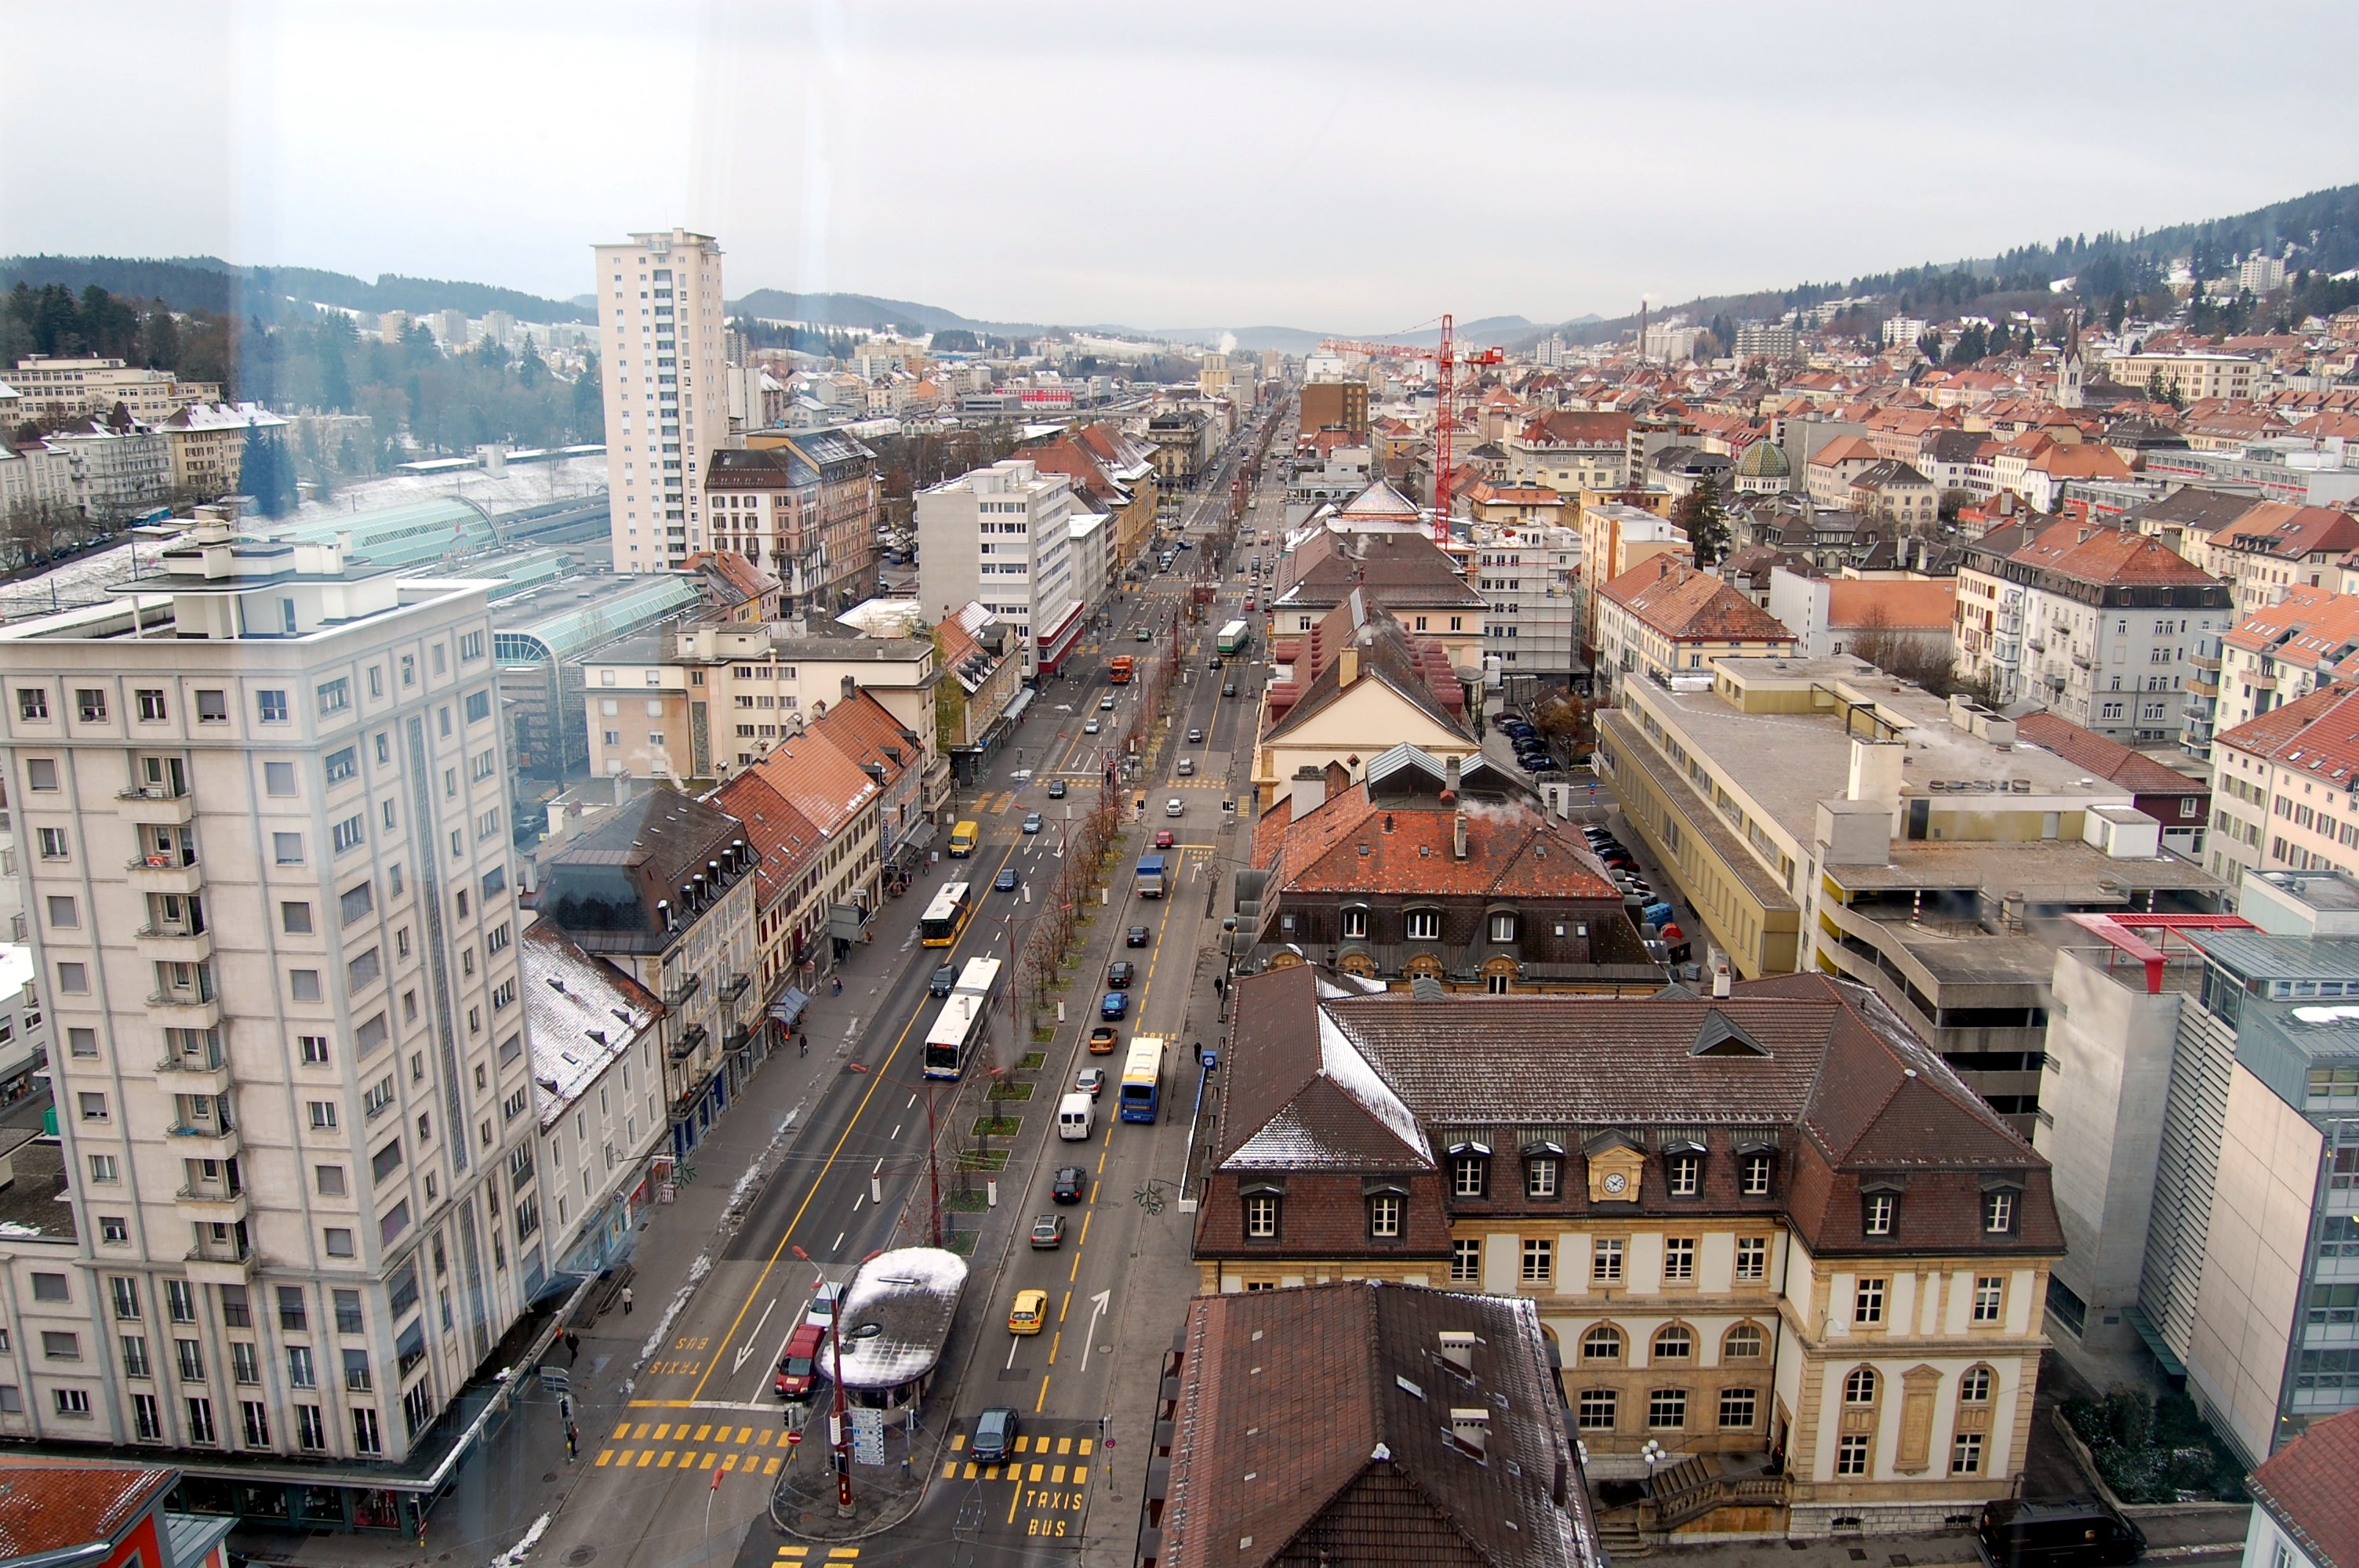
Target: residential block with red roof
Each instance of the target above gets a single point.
(1663, 618)
(2286, 788)
(2306, 1500)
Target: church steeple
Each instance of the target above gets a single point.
(2069, 370)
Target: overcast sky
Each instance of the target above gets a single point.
(1351, 167)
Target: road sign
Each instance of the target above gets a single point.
(556, 1380)
(867, 1436)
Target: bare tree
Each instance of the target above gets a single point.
(1913, 656)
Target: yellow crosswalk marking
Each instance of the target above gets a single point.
(958, 1442)
(669, 1455)
(1036, 1472)
(744, 1434)
(794, 1550)
(969, 1474)
(950, 1469)
(841, 1554)
(701, 1431)
(1056, 1475)
(663, 1432)
(1022, 1444)
(763, 1440)
(772, 1467)
(604, 1454)
(645, 1456)
(642, 1432)
(730, 1462)
(1081, 1476)
(1085, 1445)
(623, 1432)
(1064, 1446)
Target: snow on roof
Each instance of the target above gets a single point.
(1341, 1065)
(909, 1295)
(580, 1013)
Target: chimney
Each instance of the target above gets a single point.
(1470, 1428)
(1450, 777)
(1458, 835)
(1722, 980)
(1347, 667)
(1309, 790)
(1457, 1349)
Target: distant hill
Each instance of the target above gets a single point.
(208, 283)
(865, 311)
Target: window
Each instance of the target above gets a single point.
(134, 1357)
(93, 1105)
(1754, 1175)
(179, 1300)
(90, 702)
(1867, 1302)
(363, 970)
(114, 1228)
(213, 708)
(335, 695)
(201, 1422)
(1966, 1453)
(1539, 1259)
(1686, 1175)
(74, 980)
(1851, 1453)
(1384, 1217)
(124, 1291)
(365, 1438)
(151, 705)
(349, 833)
(1667, 1409)
(386, 1162)
(191, 1358)
(32, 705)
(1605, 1259)
(310, 1432)
(1679, 1258)
(1596, 1410)
(257, 1424)
(471, 645)
(287, 848)
(338, 1243)
(343, 764)
(270, 706)
(1503, 929)
(1674, 1343)
(479, 706)
(1466, 1259)
(295, 918)
(1355, 923)
(42, 772)
(293, 1315)
(59, 1345)
(1752, 1257)
(50, 1288)
(312, 1049)
(348, 1312)
(63, 914)
(329, 1181)
(103, 1168)
(1422, 925)
(1998, 1212)
(1541, 1178)
(1469, 1176)
(1602, 1343)
(73, 1402)
(1990, 1293)
(1261, 1218)
(53, 844)
(1737, 1409)
(1859, 1388)
(244, 1362)
(1742, 1343)
(1878, 1213)
(1974, 1386)
(303, 985)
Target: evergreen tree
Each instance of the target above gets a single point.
(265, 474)
(1705, 520)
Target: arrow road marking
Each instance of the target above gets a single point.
(745, 1350)
(1098, 1304)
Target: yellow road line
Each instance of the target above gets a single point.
(875, 1081)
(1054, 1340)
(1037, 1406)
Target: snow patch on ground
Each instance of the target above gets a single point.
(517, 1553)
(740, 1195)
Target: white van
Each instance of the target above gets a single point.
(1074, 1115)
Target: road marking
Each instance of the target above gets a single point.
(1054, 1340)
(746, 1351)
(913, 1100)
(604, 1454)
(1063, 1304)
(1014, 1341)
(895, 1133)
(1037, 1406)
(839, 1241)
(1099, 1301)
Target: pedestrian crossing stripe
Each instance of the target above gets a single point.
(1060, 1475)
(690, 1459)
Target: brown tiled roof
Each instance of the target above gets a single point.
(1691, 606)
(784, 837)
(2109, 760)
(2118, 557)
(2274, 528)
(1390, 656)
(2192, 506)
(1318, 1432)
(1511, 851)
(1905, 605)
(2310, 1487)
(818, 779)
(864, 730)
(1406, 568)
(50, 1507)
(2318, 734)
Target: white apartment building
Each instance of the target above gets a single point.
(1531, 622)
(661, 321)
(1000, 536)
(55, 390)
(116, 472)
(595, 1033)
(265, 854)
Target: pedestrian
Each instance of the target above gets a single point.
(835, 985)
(802, 1044)
(573, 1347)
(626, 1300)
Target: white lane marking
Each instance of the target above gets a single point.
(896, 1132)
(1012, 1342)
(838, 1242)
(746, 1351)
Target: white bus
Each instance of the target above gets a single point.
(958, 1030)
(979, 978)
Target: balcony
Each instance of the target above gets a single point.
(198, 1009)
(681, 989)
(211, 1206)
(734, 987)
(174, 944)
(2262, 680)
(688, 1043)
(162, 873)
(207, 1075)
(2082, 661)
(228, 1265)
(204, 1140)
(2205, 662)
(158, 807)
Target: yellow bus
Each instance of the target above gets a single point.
(963, 839)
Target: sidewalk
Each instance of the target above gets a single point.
(521, 1472)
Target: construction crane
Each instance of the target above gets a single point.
(1446, 358)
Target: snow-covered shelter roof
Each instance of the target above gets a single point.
(896, 1316)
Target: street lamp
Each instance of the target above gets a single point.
(1653, 1453)
(840, 1440)
(933, 1169)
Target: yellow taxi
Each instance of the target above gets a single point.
(1032, 1310)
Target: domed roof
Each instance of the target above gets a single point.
(1763, 459)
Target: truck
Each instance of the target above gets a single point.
(1232, 639)
(1150, 876)
(1119, 668)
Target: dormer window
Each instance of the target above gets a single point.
(1753, 1167)
(1355, 923)
(1422, 925)
(1470, 1171)
(1685, 1174)
(1503, 929)
(1879, 1212)
(1543, 1176)
(1998, 1211)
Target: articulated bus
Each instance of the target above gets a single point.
(947, 915)
(979, 977)
(1142, 1078)
(958, 1030)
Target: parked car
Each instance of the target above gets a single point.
(994, 1429)
(798, 1368)
(944, 981)
(2079, 1533)
(1137, 937)
(1048, 1231)
(1056, 789)
(1031, 822)
(1071, 1182)
(1115, 1006)
(1104, 1039)
(1119, 974)
(822, 1310)
(1090, 1081)
(1005, 881)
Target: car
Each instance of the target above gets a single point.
(1056, 789)
(1119, 974)
(1186, 545)
(1048, 1231)
(1216, 661)
(1163, 838)
(944, 981)
(1103, 1038)
(1105, 703)
(1005, 881)
(1135, 937)
(1026, 1317)
(1115, 1006)
(994, 1429)
(1172, 807)
(1090, 1081)
(1031, 822)
(1249, 601)
(1195, 734)
(821, 1311)
(799, 1368)
(1228, 689)
(1145, 635)
(1090, 727)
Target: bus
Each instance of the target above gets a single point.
(980, 977)
(958, 1030)
(1232, 639)
(1142, 1078)
(963, 839)
(947, 915)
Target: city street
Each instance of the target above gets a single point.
(679, 1467)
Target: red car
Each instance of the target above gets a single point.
(797, 1369)
(1163, 838)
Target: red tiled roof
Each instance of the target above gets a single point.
(1905, 605)
(1511, 851)
(2274, 528)
(784, 837)
(2109, 760)
(1691, 606)
(2087, 553)
(50, 1507)
(2318, 734)
(2310, 1487)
